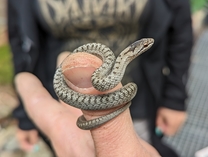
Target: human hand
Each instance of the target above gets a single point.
(58, 120)
(169, 121)
(55, 119)
(27, 139)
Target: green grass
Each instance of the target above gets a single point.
(197, 5)
(6, 68)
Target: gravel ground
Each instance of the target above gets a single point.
(9, 146)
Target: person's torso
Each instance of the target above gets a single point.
(114, 23)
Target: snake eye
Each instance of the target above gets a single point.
(146, 44)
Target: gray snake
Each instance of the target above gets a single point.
(106, 77)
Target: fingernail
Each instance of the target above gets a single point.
(158, 131)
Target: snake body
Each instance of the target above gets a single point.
(106, 77)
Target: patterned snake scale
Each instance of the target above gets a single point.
(106, 77)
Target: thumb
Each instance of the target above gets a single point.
(77, 70)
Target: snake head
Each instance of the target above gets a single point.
(141, 46)
(137, 48)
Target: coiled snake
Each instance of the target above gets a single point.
(106, 77)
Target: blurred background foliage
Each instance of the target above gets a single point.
(6, 68)
(198, 4)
